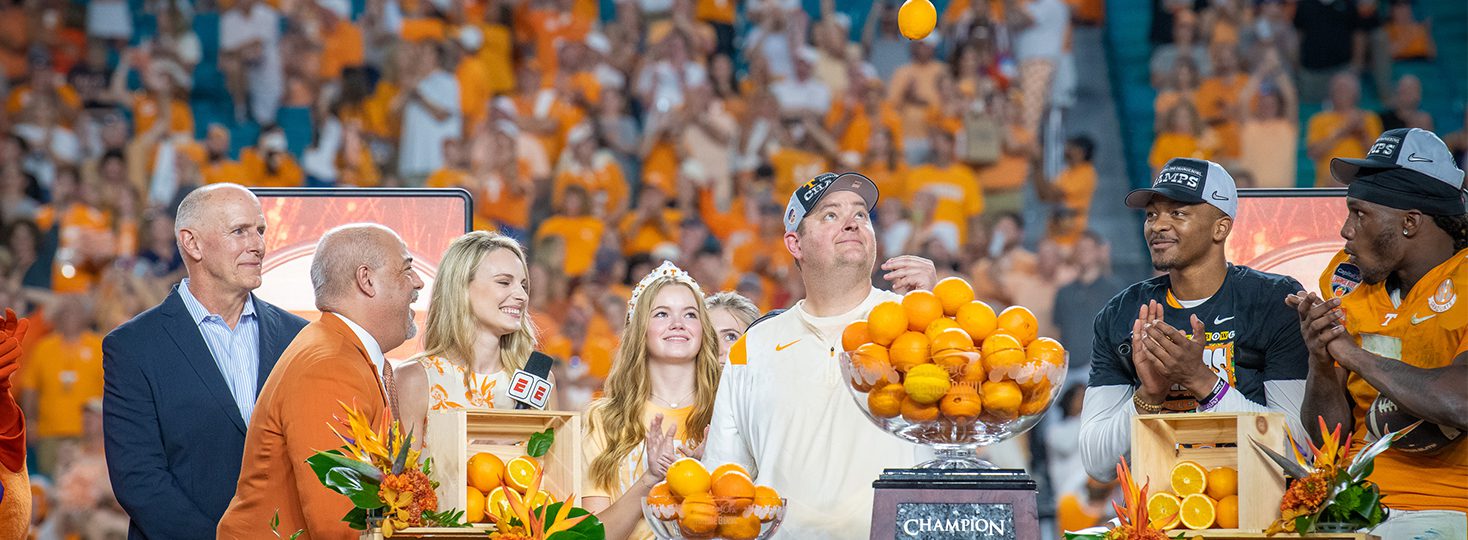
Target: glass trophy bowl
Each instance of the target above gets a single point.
(982, 404)
(728, 520)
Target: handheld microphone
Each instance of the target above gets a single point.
(531, 387)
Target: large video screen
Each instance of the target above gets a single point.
(427, 219)
(1294, 232)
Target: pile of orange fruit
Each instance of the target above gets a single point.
(723, 503)
(943, 354)
(490, 478)
(1201, 498)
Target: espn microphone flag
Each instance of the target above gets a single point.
(531, 387)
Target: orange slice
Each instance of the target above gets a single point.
(1189, 478)
(520, 472)
(1198, 511)
(1162, 510)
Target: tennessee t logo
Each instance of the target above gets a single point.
(1389, 318)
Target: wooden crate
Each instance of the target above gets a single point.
(1160, 441)
(454, 435)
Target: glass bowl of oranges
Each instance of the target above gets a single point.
(720, 505)
(942, 369)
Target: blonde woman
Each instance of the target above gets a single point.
(478, 332)
(659, 400)
(731, 314)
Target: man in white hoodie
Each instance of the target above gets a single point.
(783, 411)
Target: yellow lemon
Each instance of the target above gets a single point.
(916, 19)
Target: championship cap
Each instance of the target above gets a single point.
(806, 197)
(1407, 168)
(1191, 181)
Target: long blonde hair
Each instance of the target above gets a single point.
(617, 416)
(451, 323)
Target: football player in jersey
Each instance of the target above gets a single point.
(1393, 326)
(1208, 336)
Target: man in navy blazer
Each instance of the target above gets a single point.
(181, 378)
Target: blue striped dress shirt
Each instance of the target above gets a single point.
(236, 351)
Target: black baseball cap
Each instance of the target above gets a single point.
(1406, 168)
(1191, 181)
(806, 197)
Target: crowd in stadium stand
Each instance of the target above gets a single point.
(606, 136)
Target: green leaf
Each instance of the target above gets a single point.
(447, 518)
(1305, 524)
(275, 523)
(427, 468)
(321, 462)
(349, 482)
(540, 443)
(357, 519)
(591, 527)
(298, 534)
(1349, 499)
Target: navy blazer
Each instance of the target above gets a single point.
(174, 434)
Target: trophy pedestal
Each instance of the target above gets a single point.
(956, 504)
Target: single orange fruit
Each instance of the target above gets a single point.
(733, 492)
(485, 471)
(978, 319)
(1228, 512)
(699, 514)
(953, 293)
(922, 309)
(885, 322)
(520, 472)
(871, 367)
(961, 403)
(1198, 512)
(1222, 482)
(687, 477)
(908, 350)
(1045, 351)
(721, 469)
(938, 325)
(1189, 478)
(916, 19)
(1002, 399)
(973, 374)
(1003, 356)
(1020, 322)
(855, 335)
(1034, 405)
(952, 339)
(473, 506)
(661, 499)
(767, 498)
(1163, 509)
(739, 527)
(886, 401)
(915, 412)
(955, 361)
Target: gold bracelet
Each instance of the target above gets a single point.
(1148, 408)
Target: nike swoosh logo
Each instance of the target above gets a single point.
(779, 348)
(1215, 196)
(1416, 319)
(1217, 320)
(1414, 159)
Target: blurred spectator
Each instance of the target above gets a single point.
(779, 29)
(1034, 281)
(1072, 189)
(82, 229)
(455, 170)
(708, 142)
(1268, 126)
(650, 224)
(1186, 44)
(580, 231)
(595, 170)
(41, 85)
(1272, 29)
(1329, 43)
(913, 90)
(14, 184)
(1078, 301)
(505, 171)
(1181, 135)
(269, 164)
(62, 374)
(430, 107)
(249, 44)
(86, 508)
(176, 42)
(1342, 130)
(803, 93)
(1005, 179)
(217, 166)
(158, 101)
(954, 189)
(1218, 97)
(1043, 28)
(1182, 87)
(1062, 435)
(1410, 39)
(51, 144)
(1406, 106)
(883, 45)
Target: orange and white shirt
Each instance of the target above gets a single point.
(1426, 328)
(447, 388)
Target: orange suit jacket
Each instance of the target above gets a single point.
(325, 365)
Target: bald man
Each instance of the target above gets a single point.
(181, 379)
(365, 286)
